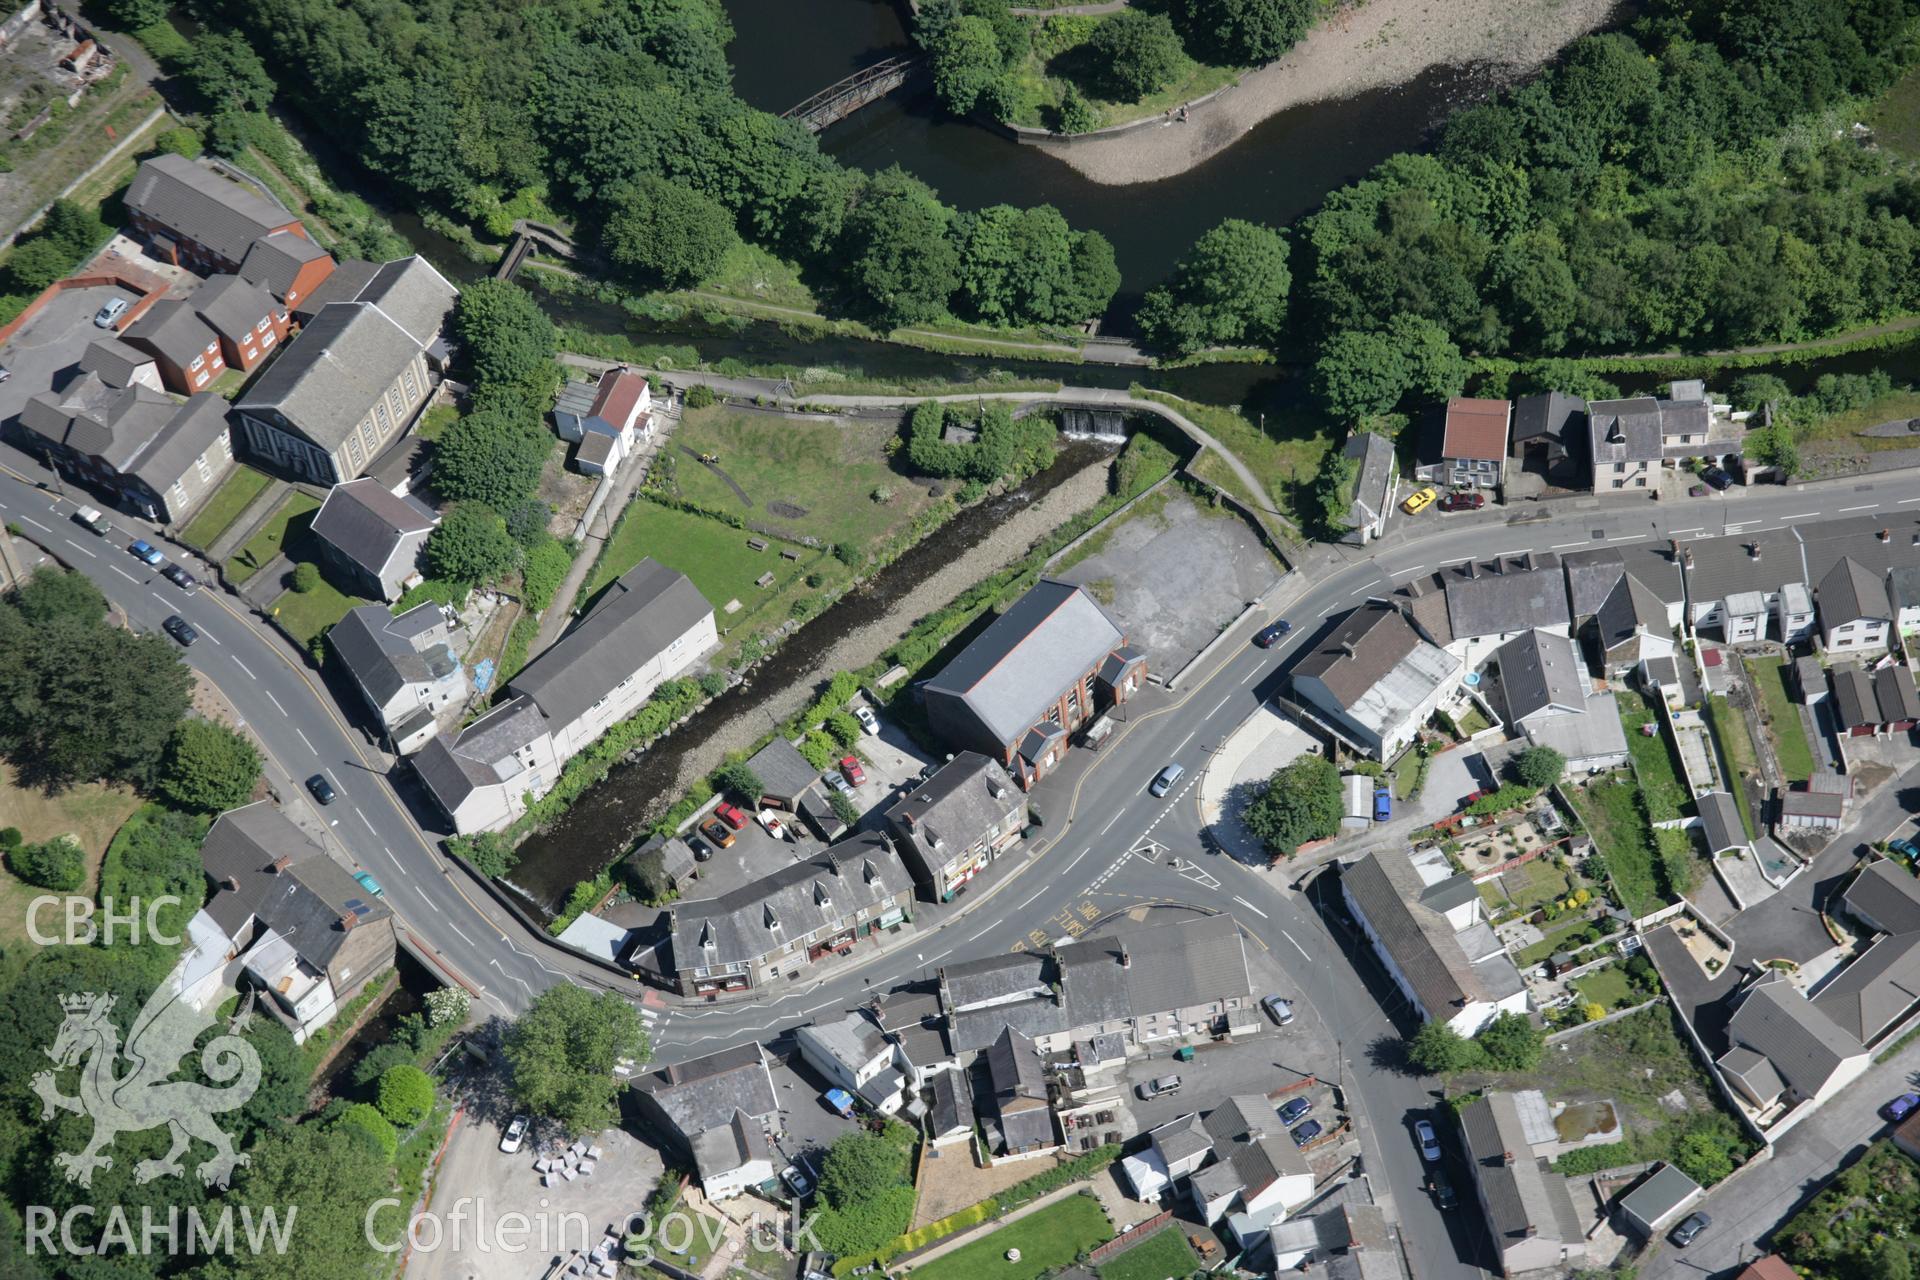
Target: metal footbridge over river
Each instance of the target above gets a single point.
(838, 101)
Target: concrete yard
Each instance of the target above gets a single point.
(52, 340)
(1173, 574)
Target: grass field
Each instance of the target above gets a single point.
(1606, 987)
(1783, 719)
(436, 420)
(1611, 810)
(306, 614)
(225, 506)
(90, 812)
(1283, 449)
(1842, 427)
(1047, 1240)
(1895, 118)
(1653, 760)
(289, 522)
(829, 470)
(1736, 748)
(1155, 1258)
(716, 557)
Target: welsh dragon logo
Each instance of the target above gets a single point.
(146, 1096)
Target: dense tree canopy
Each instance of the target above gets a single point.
(471, 544)
(562, 1052)
(1135, 53)
(1230, 288)
(1022, 265)
(664, 235)
(208, 767)
(506, 340)
(492, 455)
(905, 265)
(1243, 32)
(1299, 803)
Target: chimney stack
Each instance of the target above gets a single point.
(348, 919)
(1886, 535)
(1126, 957)
(281, 863)
(231, 883)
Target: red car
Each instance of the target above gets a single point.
(850, 766)
(731, 815)
(1459, 500)
(1470, 797)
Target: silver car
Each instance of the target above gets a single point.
(1281, 1011)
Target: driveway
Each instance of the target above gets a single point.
(53, 341)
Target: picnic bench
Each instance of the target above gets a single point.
(764, 580)
(788, 553)
(757, 544)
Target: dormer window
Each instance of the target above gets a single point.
(820, 896)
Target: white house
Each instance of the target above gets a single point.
(403, 666)
(716, 1111)
(856, 1056)
(1256, 1168)
(1855, 614)
(608, 428)
(1376, 681)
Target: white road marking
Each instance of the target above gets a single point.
(270, 698)
(1218, 705)
(1804, 515)
(36, 524)
(1630, 537)
(129, 577)
(303, 738)
(1518, 551)
(1296, 946)
(209, 635)
(1865, 507)
(1678, 533)
(363, 818)
(1036, 893)
(1249, 906)
(1110, 821)
(984, 932)
(1076, 861)
(1562, 546)
(250, 675)
(1184, 741)
(1368, 587)
(1904, 501)
(1412, 568)
(83, 551)
(463, 935)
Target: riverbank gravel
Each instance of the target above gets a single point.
(1368, 46)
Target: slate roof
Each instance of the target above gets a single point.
(1849, 592)
(1903, 587)
(1522, 1197)
(1799, 803)
(973, 1029)
(1720, 822)
(409, 292)
(1853, 696)
(1541, 673)
(1360, 652)
(1659, 1195)
(1875, 991)
(705, 1093)
(303, 903)
(1889, 893)
(1630, 608)
(203, 206)
(1251, 1148)
(274, 260)
(231, 306)
(366, 523)
(173, 330)
(912, 1016)
(1753, 1070)
(1169, 966)
(733, 1145)
(793, 901)
(135, 430)
(189, 432)
(1181, 1138)
(1029, 657)
(114, 360)
(965, 799)
(1591, 578)
(383, 652)
(1549, 416)
(1803, 1043)
(343, 284)
(596, 447)
(1894, 692)
(1505, 595)
(1475, 429)
(1013, 1065)
(482, 754)
(1374, 453)
(1595, 734)
(633, 620)
(992, 979)
(1419, 939)
(327, 379)
(853, 1040)
(1624, 431)
(952, 1108)
(782, 770)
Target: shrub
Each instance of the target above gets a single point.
(448, 1005)
(736, 777)
(713, 683)
(57, 864)
(491, 853)
(819, 749)
(306, 577)
(369, 1124)
(844, 727)
(406, 1095)
(9, 838)
(699, 396)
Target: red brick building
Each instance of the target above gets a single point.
(249, 320)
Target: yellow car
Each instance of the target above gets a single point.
(1418, 501)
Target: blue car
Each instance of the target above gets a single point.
(1294, 1110)
(1382, 804)
(1901, 1107)
(146, 552)
(1904, 849)
(368, 883)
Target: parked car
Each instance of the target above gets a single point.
(840, 1100)
(1442, 1190)
(1417, 501)
(732, 815)
(322, 789)
(180, 629)
(797, 1181)
(1307, 1133)
(850, 766)
(1467, 800)
(1905, 849)
(146, 552)
(1463, 500)
(1382, 804)
(771, 821)
(1270, 634)
(516, 1134)
(91, 519)
(1163, 781)
(1429, 1141)
(1901, 1107)
(105, 316)
(368, 883)
(1716, 477)
(1294, 1110)
(1689, 1230)
(837, 783)
(181, 578)
(868, 721)
(717, 833)
(1159, 1088)
(1281, 1011)
(5, 373)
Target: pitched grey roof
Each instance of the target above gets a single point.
(596, 448)
(965, 799)
(1358, 654)
(1720, 822)
(1753, 1070)
(411, 294)
(1181, 1138)
(1549, 416)
(172, 329)
(1630, 608)
(303, 903)
(633, 621)
(817, 893)
(384, 653)
(135, 430)
(274, 260)
(1029, 657)
(114, 360)
(996, 978)
(952, 1108)
(1249, 1140)
(1374, 452)
(1522, 1197)
(729, 1146)
(343, 284)
(203, 206)
(231, 306)
(1140, 971)
(1419, 939)
(1509, 594)
(1894, 690)
(1849, 592)
(1853, 695)
(1624, 431)
(187, 433)
(1591, 578)
(1878, 989)
(1903, 587)
(782, 770)
(365, 522)
(1803, 1043)
(1013, 1065)
(973, 1029)
(1454, 891)
(704, 1093)
(852, 1040)
(1887, 892)
(482, 754)
(1659, 1194)
(327, 379)
(1540, 672)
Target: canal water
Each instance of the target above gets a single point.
(611, 815)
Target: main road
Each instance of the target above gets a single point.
(1113, 847)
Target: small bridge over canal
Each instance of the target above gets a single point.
(869, 84)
